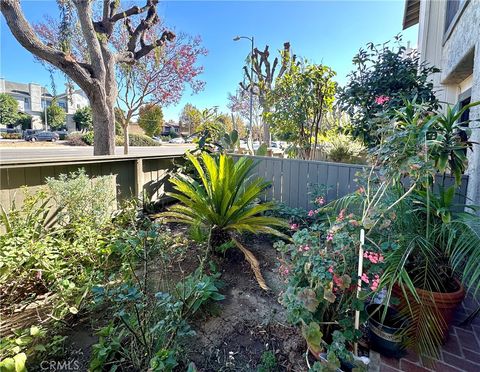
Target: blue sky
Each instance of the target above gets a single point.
(328, 32)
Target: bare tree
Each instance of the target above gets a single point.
(96, 74)
(261, 83)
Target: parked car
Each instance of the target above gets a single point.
(177, 140)
(43, 136)
(157, 139)
(191, 139)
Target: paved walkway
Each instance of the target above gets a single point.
(460, 353)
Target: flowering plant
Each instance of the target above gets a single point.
(320, 267)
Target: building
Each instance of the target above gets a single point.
(32, 99)
(170, 127)
(449, 38)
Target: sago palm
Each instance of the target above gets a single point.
(223, 201)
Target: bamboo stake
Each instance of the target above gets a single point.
(359, 285)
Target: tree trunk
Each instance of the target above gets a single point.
(104, 128)
(126, 139)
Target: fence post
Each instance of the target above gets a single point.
(138, 177)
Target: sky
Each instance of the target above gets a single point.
(327, 32)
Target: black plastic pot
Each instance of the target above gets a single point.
(385, 334)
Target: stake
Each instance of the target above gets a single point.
(359, 285)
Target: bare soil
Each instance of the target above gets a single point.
(250, 321)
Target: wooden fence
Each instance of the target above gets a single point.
(292, 180)
(132, 175)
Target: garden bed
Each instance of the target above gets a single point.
(235, 334)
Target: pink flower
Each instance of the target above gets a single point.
(337, 280)
(380, 100)
(330, 269)
(294, 226)
(364, 278)
(306, 248)
(320, 200)
(341, 215)
(375, 283)
(353, 222)
(380, 258)
(283, 270)
(329, 237)
(310, 213)
(39, 274)
(361, 190)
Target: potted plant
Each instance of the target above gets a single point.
(438, 242)
(319, 269)
(385, 326)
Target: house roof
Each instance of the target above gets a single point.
(411, 14)
(20, 88)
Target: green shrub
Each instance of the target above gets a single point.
(11, 135)
(82, 197)
(136, 140)
(75, 139)
(88, 138)
(344, 149)
(60, 250)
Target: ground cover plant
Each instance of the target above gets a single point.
(66, 254)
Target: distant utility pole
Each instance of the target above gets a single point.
(46, 116)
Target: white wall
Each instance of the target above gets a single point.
(449, 52)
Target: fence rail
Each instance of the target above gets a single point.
(291, 179)
(132, 174)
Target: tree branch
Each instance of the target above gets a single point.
(166, 36)
(84, 12)
(81, 73)
(133, 11)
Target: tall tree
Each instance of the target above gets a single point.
(56, 116)
(299, 103)
(190, 118)
(384, 77)
(239, 104)
(151, 119)
(262, 80)
(160, 78)
(94, 71)
(83, 118)
(8, 110)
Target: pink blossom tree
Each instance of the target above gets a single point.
(159, 78)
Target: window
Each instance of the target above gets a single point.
(452, 9)
(62, 105)
(465, 98)
(26, 103)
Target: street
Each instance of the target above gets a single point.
(36, 152)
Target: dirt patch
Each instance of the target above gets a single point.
(249, 321)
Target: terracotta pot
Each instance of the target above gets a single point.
(444, 304)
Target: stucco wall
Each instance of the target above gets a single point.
(457, 54)
(461, 47)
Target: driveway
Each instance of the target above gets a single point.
(12, 152)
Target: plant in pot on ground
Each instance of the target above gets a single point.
(223, 203)
(320, 270)
(437, 241)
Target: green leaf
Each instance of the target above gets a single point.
(20, 360)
